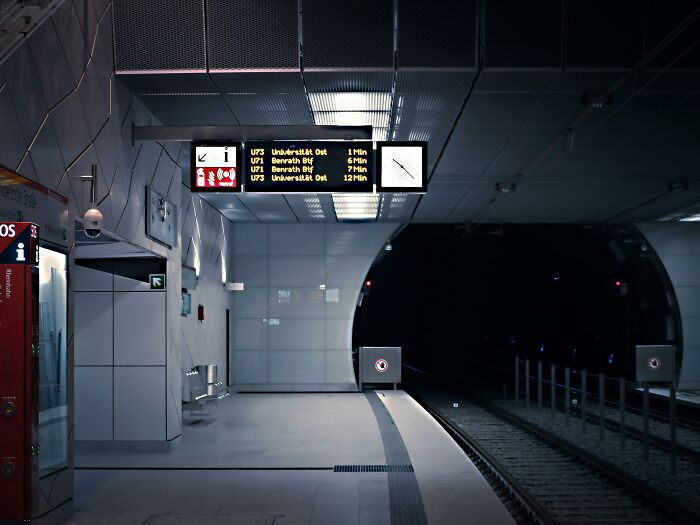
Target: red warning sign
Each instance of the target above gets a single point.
(215, 167)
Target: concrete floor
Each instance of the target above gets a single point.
(230, 468)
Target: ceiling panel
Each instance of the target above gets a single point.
(342, 34)
(268, 208)
(430, 37)
(525, 34)
(252, 34)
(151, 35)
(230, 205)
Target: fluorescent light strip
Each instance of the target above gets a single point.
(313, 204)
(378, 119)
(691, 218)
(358, 206)
(350, 101)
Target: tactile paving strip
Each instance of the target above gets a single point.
(405, 502)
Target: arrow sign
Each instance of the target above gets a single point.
(202, 157)
(156, 281)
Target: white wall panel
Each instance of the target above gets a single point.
(139, 328)
(298, 334)
(249, 334)
(306, 343)
(251, 303)
(346, 303)
(125, 284)
(297, 271)
(251, 240)
(93, 331)
(289, 239)
(250, 270)
(297, 303)
(297, 367)
(139, 403)
(250, 367)
(88, 280)
(93, 403)
(348, 270)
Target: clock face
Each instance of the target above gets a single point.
(402, 167)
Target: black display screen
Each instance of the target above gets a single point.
(309, 167)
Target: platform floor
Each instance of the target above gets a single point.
(269, 458)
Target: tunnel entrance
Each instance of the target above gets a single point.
(463, 300)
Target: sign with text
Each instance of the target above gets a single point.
(215, 167)
(309, 167)
(23, 200)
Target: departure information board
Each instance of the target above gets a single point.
(309, 167)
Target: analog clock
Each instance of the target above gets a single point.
(402, 167)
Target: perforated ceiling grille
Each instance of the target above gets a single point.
(159, 35)
(339, 33)
(252, 34)
(436, 34)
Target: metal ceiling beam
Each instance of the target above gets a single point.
(190, 133)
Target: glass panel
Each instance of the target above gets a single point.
(53, 406)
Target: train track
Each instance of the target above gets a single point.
(544, 479)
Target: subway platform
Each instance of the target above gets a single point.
(327, 458)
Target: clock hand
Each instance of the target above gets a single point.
(409, 174)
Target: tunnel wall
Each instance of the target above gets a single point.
(289, 333)
(678, 246)
(62, 109)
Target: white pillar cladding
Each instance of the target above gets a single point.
(292, 327)
(678, 246)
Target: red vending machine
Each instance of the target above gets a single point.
(19, 370)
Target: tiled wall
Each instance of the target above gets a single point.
(292, 326)
(678, 247)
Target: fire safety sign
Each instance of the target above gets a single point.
(216, 167)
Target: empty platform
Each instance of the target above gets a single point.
(292, 459)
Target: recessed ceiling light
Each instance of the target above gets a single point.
(356, 207)
(377, 119)
(350, 101)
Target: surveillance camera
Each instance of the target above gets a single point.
(92, 222)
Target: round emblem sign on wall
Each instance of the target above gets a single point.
(382, 365)
(654, 363)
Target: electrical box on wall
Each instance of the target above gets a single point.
(200, 312)
(161, 218)
(656, 364)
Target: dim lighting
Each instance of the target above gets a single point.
(388, 247)
(542, 348)
(368, 283)
(573, 353)
(505, 187)
(617, 283)
(610, 359)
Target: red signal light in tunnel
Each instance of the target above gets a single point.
(368, 283)
(617, 283)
